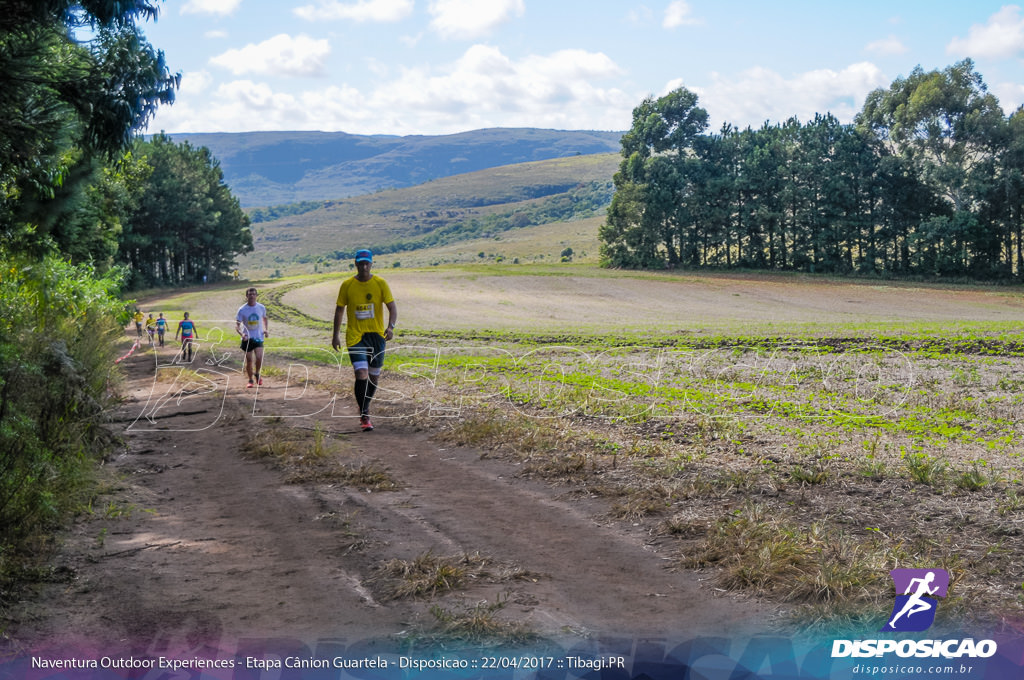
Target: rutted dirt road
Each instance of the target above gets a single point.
(198, 545)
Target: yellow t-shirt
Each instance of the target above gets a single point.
(364, 306)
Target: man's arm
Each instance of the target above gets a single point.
(339, 315)
(392, 320)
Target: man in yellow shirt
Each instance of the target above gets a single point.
(364, 297)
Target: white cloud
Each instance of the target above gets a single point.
(886, 47)
(363, 10)
(1001, 37)
(222, 7)
(760, 94)
(195, 82)
(678, 14)
(483, 88)
(471, 18)
(215, 34)
(1010, 95)
(281, 55)
(486, 88)
(255, 97)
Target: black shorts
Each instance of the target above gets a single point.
(248, 344)
(369, 350)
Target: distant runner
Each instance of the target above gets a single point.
(187, 329)
(251, 323)
(364, 296)
(161, 328)
(138, 317)
(151, 327)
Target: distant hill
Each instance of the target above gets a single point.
(272, 168)
(494, 204)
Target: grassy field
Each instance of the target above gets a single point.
(796, 437)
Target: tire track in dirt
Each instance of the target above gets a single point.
(199, 545)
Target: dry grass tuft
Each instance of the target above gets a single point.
(830, 575)
(428, 575)
(759, 551)
(479, 624)
(315, 456)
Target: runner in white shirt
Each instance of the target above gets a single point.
(251, 323)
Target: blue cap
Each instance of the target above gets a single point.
(364, 256)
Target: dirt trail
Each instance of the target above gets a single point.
(199, 545)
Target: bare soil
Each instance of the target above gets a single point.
(197, 545)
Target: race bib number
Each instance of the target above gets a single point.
(364, 312)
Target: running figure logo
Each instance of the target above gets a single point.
(914, 610)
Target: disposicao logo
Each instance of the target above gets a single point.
(914, 611)
(916, 593)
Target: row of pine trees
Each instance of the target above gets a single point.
(927, 181)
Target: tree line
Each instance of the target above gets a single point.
(75, 179)
(927, 181)
(183, 224)
(86, 208)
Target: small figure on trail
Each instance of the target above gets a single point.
(251, 323)
(138, 317)
(187, 329)
(364, 297)
(151, 327)
(161, 328)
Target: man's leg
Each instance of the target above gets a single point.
(373, 370)
(372, 379)
(247, 365)
(360, 389)
(258, 363)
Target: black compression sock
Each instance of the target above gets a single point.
(360, 391)
(371, 389)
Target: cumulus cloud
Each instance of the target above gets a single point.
(678, 14)
(887, 47)
(238, 106)
(482, 88)
(471, 18)
(281, 55)
(760, 94)
(485, 88)
(195, 82)
(1010, 95)
(1000, 38)
(363, 10)
(221, 7)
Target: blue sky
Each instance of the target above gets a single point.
(443, 66)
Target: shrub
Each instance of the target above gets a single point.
(56, 325)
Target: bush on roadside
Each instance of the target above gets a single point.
(57, 321)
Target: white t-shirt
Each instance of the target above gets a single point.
(252, 317)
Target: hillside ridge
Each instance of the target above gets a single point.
(273, 168)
